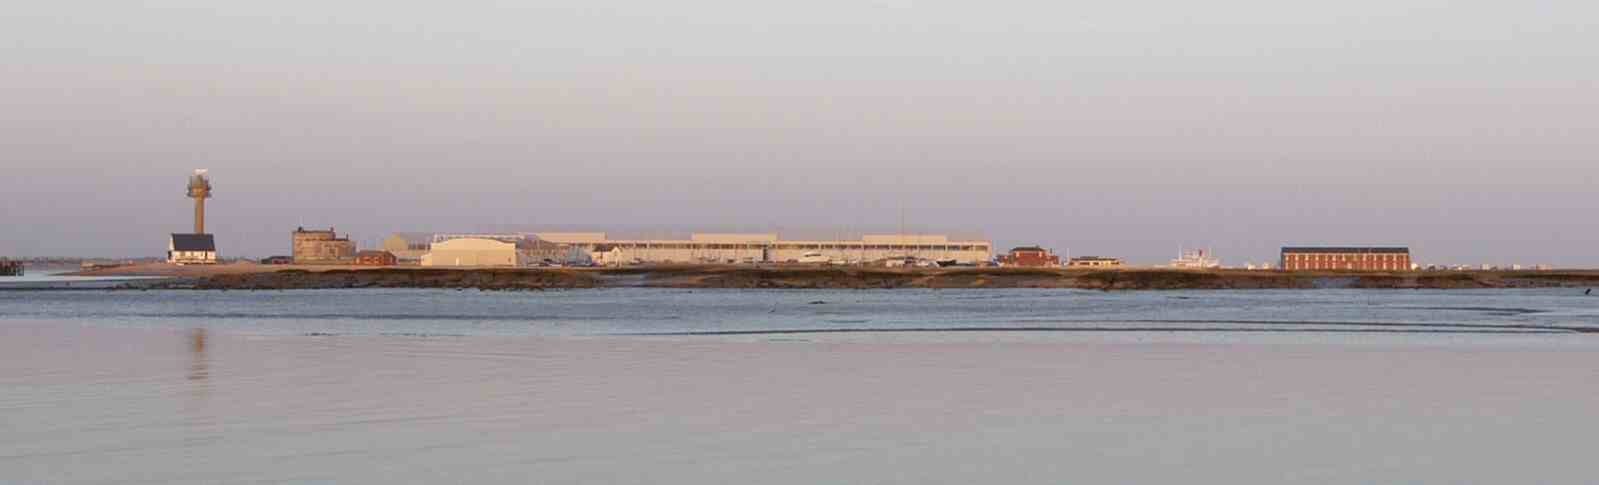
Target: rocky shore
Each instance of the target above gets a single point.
(267, 278)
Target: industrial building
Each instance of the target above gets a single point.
(1095, 262)
(408, 247)
(571, 237)
(187, 249)
(768, 248)
(540, 251)
(703, 248)
(1030, 257)
(534, 249)
(319, 246)
(474, 252)
(1346, 258)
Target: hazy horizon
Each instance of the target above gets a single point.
(1461, 129)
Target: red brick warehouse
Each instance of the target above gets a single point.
(1346, 258)
(1029, 256)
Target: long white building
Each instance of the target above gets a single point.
(768, 248)
(702, 248)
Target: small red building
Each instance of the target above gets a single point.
(1029, 257)
(376, 258)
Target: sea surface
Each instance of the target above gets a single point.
(55, 277)
(787, 386)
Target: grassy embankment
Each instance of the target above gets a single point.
(813, 277)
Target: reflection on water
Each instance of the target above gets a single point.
(199, 368)
(200, 423)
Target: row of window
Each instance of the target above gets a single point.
(1345, 257)
(1293, 266)
(805, 247)
(780, 247)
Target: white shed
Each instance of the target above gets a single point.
(473, 252)
(192, 249)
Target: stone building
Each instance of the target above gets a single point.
(319, 246)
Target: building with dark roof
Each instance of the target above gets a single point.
(1346, 258)
(192, 249)
(1029, 257)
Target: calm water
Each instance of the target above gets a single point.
(729, 386)
(53, 277)
(613, 312)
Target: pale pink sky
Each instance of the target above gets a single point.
(1463, 129)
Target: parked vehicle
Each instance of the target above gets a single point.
(814, 258)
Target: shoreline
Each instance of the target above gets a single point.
(259, 277)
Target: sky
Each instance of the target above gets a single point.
(1463, 129)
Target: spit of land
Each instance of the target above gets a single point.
(268, 277)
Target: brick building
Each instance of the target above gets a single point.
(1029, 257)
(318, 246)
(1346, 258)
(376, 258)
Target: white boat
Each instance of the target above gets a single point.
(1195, 259)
